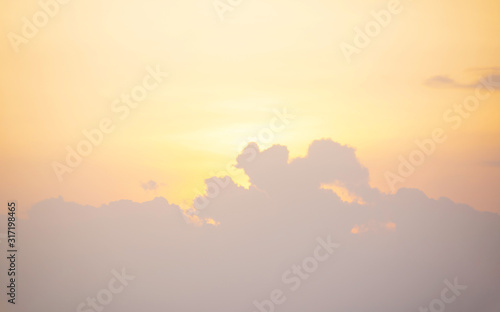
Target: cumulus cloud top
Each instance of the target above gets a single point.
(395, 251)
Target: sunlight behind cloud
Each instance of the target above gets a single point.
(343, 193)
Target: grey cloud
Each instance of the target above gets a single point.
(150, 185)
(490, 81)
(68, 250)
(492, 163)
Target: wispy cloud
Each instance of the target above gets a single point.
(489, 81)
(492, 163)
(150, 185)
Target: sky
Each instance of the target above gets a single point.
(253, 155)
(229, 72)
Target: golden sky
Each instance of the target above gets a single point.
(226, 78)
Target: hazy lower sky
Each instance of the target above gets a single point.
(226, 78)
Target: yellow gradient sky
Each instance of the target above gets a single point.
(225, 80)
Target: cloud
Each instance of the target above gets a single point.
(150, 185)
(493, 163)
(490, 81)
(405, 245)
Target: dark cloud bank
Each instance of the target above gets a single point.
(68, 251)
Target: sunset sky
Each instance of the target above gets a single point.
(226, 80)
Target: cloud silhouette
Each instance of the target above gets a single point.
(406, 246)
(493, 163)
(150, 185)
(489, 81)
